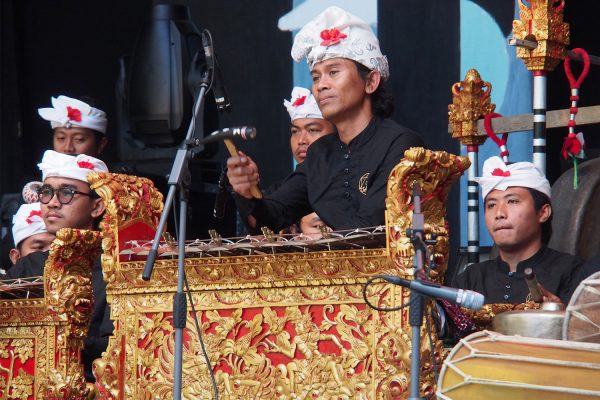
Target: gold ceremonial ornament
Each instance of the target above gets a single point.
(41, 338)
(470, 102)
(277, 325)
(542, 22)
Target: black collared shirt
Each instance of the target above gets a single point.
(344, 184)
(556, 271)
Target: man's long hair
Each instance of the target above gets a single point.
(382, 101)
(539, 200)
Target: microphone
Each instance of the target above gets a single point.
(221, 198)
(532, 284)
(244, 132)
(464, 298)
(218, 87)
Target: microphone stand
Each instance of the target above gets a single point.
(179, 180)
(415, 316)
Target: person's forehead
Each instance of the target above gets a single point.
(306, 122)
(322, 65)
(509, 192)
(38, 237)
(73, 131)
(58, 182)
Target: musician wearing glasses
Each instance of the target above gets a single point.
(78, 128)
(68, 202)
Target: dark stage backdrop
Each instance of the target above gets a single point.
(422, 43)
(73, 47)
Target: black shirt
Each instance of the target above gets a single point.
(344, 184)
(556, 271)
(101, 327)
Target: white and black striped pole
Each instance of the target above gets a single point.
(539, 119)
(473, 205)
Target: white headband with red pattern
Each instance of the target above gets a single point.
(68, 112)
(27, 222)
(335, 33)
(302, 105)
(66, 166)
(499, 176)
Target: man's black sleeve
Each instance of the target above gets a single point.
(282, 208)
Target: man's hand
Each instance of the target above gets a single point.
(548, 296)
(242, 173)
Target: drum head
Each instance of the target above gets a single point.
(490, 366)
(582, 318)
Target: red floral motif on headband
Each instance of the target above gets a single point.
(33, 213)
(499, 172)
(73, 114)
(331, 36)
(299, 101)
(85, 165)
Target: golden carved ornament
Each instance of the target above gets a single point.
(434, 172)
(129, 200)
(471, 101)
(41, 339)
(483, 318)
(68, 278)
(278, 326)
(542, 22)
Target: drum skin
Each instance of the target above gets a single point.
(488, 365)
(582, 317)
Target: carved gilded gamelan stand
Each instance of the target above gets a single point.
(471, 101)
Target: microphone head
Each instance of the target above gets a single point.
(472, 300)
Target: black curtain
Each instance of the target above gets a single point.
(422, 42)
(73, 48)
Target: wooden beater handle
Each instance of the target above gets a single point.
(256, 193)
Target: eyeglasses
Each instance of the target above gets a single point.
(65, 195)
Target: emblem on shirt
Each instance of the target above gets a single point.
(362, 183)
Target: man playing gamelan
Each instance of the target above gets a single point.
(518, 217)
(344, 176)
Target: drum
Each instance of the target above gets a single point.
(488, 365)
(582, 317)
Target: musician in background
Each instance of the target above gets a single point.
(307, 125)
(344, 176)
(518, 215)
(68, 202)
(29, 232)
(306, 122)
(78, 127)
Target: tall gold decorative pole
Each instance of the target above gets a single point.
(541, 22)
(470, 102)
